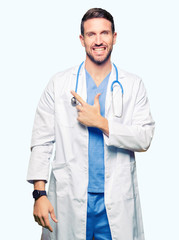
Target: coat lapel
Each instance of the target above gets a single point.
(81, 90)
(109, 93)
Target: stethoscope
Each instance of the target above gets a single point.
(117, 96)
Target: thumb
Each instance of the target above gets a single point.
(96, 99)
(53, 217)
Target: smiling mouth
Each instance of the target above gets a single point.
(99, 49)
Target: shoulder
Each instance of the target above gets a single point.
(130, 77)
(62, 78)
(131, 82)
(63, 74)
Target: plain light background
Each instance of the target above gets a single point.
(40, 38)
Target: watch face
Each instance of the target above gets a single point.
(35, 194)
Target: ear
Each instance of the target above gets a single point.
(81, 37)
(114, 37)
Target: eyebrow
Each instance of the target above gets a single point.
(95, 33)
(89, 32)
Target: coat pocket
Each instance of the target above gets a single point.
(61, 174)
(127, 180)
(66, 114)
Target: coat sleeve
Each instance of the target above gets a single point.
(138, 135)
(43, 137)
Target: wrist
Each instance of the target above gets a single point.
(103, 125)
(39, 185)
(38, 193)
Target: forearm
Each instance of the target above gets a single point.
(39, 185)
(130, 137)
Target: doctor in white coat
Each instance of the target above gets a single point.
(127, 128)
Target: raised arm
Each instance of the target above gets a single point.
(136, 136)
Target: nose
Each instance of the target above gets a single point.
(98, 40)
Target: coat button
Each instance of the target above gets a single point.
(108, 207)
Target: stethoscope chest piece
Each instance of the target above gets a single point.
(74, 101)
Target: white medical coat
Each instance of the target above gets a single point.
(56, 122)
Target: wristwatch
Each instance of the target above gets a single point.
(37, 194)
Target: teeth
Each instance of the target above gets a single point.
(99, 49)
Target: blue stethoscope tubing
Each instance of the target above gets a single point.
(75, 102)
(116, 81)
(77, 78)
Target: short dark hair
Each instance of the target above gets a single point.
(97, 13)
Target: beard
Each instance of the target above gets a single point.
(99, 62)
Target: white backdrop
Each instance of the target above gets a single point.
(40, 38)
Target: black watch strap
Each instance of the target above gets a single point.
(37, 194)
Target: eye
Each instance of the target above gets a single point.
(105, 32)
(90, 34)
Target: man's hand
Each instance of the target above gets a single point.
(90, 115)
(42, 208)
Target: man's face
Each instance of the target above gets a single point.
(98, 40)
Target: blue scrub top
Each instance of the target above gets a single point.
(96, 141)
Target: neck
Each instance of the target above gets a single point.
(98, 72)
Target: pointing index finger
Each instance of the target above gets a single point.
(80, 99)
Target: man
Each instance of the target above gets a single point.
(93, 189)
